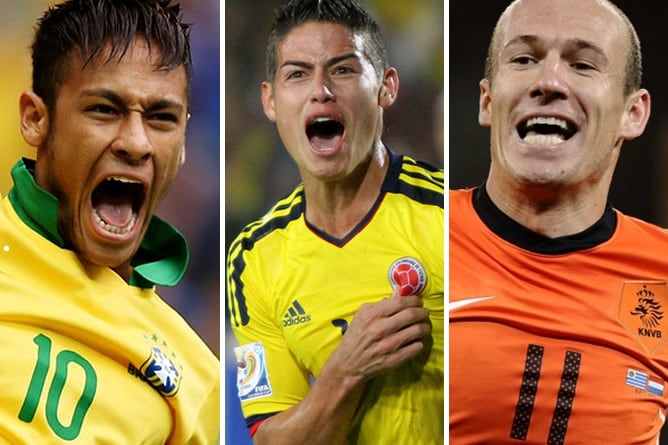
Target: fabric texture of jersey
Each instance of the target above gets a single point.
(292, 291)
(550, 344)
(89, 358)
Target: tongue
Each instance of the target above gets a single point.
(115, 212)
(325, 143)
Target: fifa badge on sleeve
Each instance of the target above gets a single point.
(252, 375)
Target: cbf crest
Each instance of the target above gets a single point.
(160, 368)
(643, 311)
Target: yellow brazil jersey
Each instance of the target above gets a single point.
(88, 358)
(292, 290)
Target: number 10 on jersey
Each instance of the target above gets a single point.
(37, 383)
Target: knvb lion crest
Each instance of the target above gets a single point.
(641, 311)
(648, 309)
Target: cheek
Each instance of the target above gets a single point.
(167, 167)
(364, 104)
(68, 165)
(288, 113)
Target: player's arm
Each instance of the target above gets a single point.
(382, 336)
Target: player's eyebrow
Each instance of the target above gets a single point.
(525, 39)
(330, 62)
(579, 44)
(118, 100)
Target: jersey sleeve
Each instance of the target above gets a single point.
(269, 378)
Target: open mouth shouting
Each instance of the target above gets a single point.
(117, 202)
(546, 130)
(325, 134)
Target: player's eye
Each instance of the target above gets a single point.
(163, 117)
(102, 109)
(343, 70)
(295, 75)
(582, 66)
(523, 60)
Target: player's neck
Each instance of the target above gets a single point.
(124, 271)
(548, 211)
(337, 207)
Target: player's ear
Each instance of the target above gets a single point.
(268, 100)
(34, 118)
(485, 105)
(182, 155)
(389, 88)
(182, 152)
(637, 114)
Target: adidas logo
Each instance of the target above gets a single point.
(295, 315)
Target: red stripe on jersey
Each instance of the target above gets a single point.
(253, 428)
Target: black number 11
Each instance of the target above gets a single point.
(525, 402)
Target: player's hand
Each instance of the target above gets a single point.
(382, 336)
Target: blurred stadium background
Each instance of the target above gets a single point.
(194, 203)
(258, 171)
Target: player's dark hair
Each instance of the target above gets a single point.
(89, 25)
(633, 69)
(341, 12)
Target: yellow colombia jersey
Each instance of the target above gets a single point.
(87, 358)
(292, 290)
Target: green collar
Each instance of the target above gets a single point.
(162, 257)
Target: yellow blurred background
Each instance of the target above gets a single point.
(16, 27)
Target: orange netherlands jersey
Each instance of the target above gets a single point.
(555, 341)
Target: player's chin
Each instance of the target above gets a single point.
(112, 255)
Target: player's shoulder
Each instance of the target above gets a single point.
(640, 229)
(280, 215)
(418, 180)
(461, 195)
(416, 168)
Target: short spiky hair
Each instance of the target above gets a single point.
(89, 25)
(347, 13)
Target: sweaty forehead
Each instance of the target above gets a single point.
(589, 21)
(318, 40)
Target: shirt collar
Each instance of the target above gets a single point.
(162, 258)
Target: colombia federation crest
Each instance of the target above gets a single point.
(409, 274)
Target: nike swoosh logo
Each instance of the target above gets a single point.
(461, 303)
